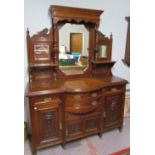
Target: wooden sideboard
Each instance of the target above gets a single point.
(64, 107)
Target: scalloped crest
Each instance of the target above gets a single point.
(42, 35)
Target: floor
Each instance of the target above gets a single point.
(110, 142)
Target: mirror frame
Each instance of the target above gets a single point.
(101, 39)
(61, 15)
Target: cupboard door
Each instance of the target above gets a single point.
(74, 129)
(48, 123)
(114, 105)
(93, 124)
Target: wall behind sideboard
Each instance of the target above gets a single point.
(112, 21)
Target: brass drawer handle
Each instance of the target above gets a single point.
(77, 106)
(94, 103)
(35, 108)
(47, 100)
(114, 89)
(77, 97)
(94, 95)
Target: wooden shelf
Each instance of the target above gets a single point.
(103, 62)
(45, 64)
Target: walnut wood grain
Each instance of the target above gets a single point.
(68, 107)
(74, 85)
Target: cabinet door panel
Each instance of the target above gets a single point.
(74, 129)
(93, 125)
(47, 124)
(113, 110)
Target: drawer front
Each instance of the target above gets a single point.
(78, 104)
(83, 96)
(45, 99)
(82, 107)
(69, 116)
(114, 89)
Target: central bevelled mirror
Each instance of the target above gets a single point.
(73, 49)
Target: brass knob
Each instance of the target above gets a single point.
(94, 103)
(47, 99)
(114, 89)
(94, 95)
(77, 106)
(77, 97)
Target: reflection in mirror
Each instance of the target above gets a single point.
(73, 49)
(102, 51)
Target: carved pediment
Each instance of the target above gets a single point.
(43, 35)
(61, 13)
(101, 36)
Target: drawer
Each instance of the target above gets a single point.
(83, 96)
(73, 116)
(86, 102)
(45, 99)
(114, 89)
(82, 107)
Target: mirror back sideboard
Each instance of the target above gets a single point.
(65, 106)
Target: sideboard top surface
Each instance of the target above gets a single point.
(73, 85)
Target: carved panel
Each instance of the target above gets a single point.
(91, 124)
(74, 129)
(48, 119)
(47, 124)
(113, 108)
